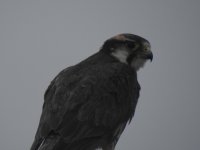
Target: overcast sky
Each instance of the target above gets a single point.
(40, 38)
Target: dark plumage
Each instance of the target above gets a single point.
(88, 105)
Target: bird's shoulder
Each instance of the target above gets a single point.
(93, 95)
(77, 75)
(90, 88)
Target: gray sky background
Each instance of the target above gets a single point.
(40, 38)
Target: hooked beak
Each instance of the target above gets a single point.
(149, 56)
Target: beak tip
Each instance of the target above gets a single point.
(151, 59)
(150, 56)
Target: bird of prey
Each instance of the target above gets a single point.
(88, 105)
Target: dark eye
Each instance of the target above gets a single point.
(130, 44)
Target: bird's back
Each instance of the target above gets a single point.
(88, 105)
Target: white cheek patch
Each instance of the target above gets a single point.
(121, 55)
(138, 63)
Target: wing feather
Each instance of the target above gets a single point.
(91, 102)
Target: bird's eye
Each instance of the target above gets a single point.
(145, 49)
(130, 44)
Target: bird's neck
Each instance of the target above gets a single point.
(99, 57)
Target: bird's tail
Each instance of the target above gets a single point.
(55, 142)
(48, 143)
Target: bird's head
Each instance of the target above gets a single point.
(130, 49)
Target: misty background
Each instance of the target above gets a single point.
(40, 38)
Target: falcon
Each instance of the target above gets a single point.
(87, 106)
